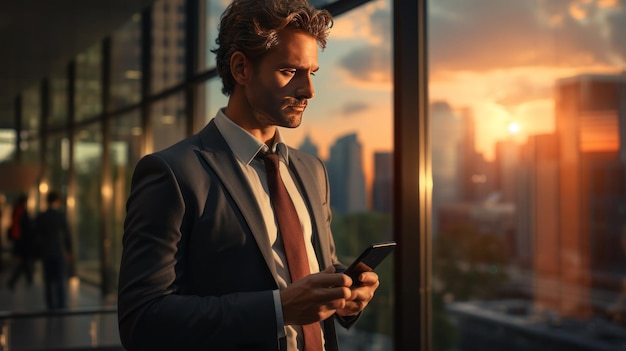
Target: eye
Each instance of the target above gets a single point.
(288, 71)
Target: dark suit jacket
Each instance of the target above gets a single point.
(197, 270)
(53, 235)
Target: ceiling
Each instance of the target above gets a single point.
(40, 36)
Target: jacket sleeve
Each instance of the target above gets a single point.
(153, 314)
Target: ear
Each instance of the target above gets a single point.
(240, 67)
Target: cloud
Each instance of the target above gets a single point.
(370, 22)
(368, 64)
(522, 89)
(617, 21)
(352, 108)
(491, 34)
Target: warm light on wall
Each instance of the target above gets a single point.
(43, 188)
(71, 201)
(106, 191)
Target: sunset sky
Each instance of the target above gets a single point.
(498, 58)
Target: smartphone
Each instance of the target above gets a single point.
(371, 257)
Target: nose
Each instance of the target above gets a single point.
(306, 89)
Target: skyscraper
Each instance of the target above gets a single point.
(308, 146)
(382, 188)
(589, 190)
(345, 172)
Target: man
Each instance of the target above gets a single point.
(204, 264)
(55, 247)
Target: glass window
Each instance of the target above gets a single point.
(125, 149)
(349, 125)
(57, 163)
(209, 23)
(168, 44)
(529, 203)
(7, 114)
(88, 96)
(168, 121)
(87, 219)
(8, 136)
(7, 144)
(126, 64)
(58, 100)
(31, 119)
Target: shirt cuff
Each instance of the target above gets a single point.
(278, 308)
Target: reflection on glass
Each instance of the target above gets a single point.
(7, 131)
(31, 117)
(58, 100)
(86, 227)
(88, 94)
(529, 198)
(126, 64)
(57, 162)
(168, 39)
(168, 121)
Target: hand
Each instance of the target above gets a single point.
(360, 296)
(315, 297)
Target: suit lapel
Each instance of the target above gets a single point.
(218, 156)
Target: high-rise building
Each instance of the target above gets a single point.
(587, 192)
(308, 146)
(382, 187)
(346, 177)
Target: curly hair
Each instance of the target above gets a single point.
(252, 27)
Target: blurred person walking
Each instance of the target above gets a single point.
(55, 245)
(20, 233)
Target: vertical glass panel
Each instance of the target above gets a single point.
(168, 121)
(529, 199)
(168, 44)
(125, 149)
(349, 125)
(58, 100)
(31, 119)
(57, 162)
(7, 114)
(209, 22)
(88, 98)
(8, 136)
(87, 226)
(126, 64)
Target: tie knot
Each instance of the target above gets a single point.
(271, 160)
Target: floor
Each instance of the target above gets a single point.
(90, 322)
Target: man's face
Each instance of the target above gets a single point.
(281, 82)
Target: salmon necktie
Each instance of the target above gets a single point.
(293, 239)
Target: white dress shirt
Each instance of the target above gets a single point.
(245, 148)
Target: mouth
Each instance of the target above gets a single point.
(296, 105)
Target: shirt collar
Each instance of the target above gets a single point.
(244, 145)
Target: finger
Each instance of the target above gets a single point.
(336, 293)
(368, 278)
(325, 279)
